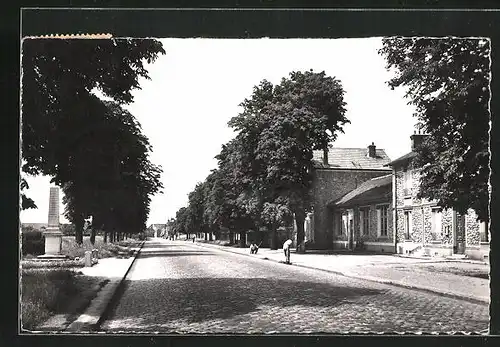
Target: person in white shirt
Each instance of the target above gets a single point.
(286, 250)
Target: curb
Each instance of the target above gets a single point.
(443, 260)
(367, 278)
(100, 306)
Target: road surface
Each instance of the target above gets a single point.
(177, 287)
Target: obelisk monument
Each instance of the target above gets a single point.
(53, 235)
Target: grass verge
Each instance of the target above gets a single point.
(48, 292)
(105, 250)
(478, 273)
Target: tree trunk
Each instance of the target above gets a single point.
(274, 238)
(300, 217)
(231, 237)
(210, 236)
(92, 236)
(242, 239)
(105, 237)
(79, 230)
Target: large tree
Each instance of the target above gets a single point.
(58, 81)
(447, 80)
(238, 209)
(286, 122)
(109, 175)
(196, 206)
(181, 221)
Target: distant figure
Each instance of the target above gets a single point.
(286, 250)
(193, 239)
(254, 248)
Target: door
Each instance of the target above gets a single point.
(350, 229)
(458, 233)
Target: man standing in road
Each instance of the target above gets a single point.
(286, 250)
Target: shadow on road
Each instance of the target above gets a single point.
(202, 299)
(161, 249)
(175, 253)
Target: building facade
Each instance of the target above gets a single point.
(362, 219)
(337, 172)
(425, 228)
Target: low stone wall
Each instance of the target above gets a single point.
(380, 247)
(480, 252)
(338, 244)
(407, 247)
(438, 250)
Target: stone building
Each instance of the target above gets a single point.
(158, 230)
(337, 172)
(422, 226)
(362, 219)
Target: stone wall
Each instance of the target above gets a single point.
(399, 187)
(427, 225)
(447, 226)
(472, 237)
(400, 227)
(415, 177)
(443, 239)
(328, 185)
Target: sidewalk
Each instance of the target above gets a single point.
(113, 269)
(445, 277)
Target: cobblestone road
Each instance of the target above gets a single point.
(179, 288)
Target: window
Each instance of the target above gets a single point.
(344, 224)
(483, 231)
(337, 223)
(382, 220)
(407, 182)
(407, 225)
(436, 218)
(364, 220)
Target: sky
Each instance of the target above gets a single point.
(197, 86)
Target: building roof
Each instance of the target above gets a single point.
(157, 226)
(376, 188)
(403, 159)
(352, 158)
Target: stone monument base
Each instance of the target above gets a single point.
(52, 257)
(53, 241)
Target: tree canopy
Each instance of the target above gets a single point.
(59, 76)
(264, 174)
(447, 80)
(285, 123)
(93, 149)
(110, 176)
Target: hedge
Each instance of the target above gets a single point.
(33, 242)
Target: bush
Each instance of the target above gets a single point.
(68, 229)
(73, 250)
(142, 236)
(33, 242)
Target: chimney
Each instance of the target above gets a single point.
(371, 151)
(416, 140)
(325, 155)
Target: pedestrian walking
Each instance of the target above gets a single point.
(286, 249)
